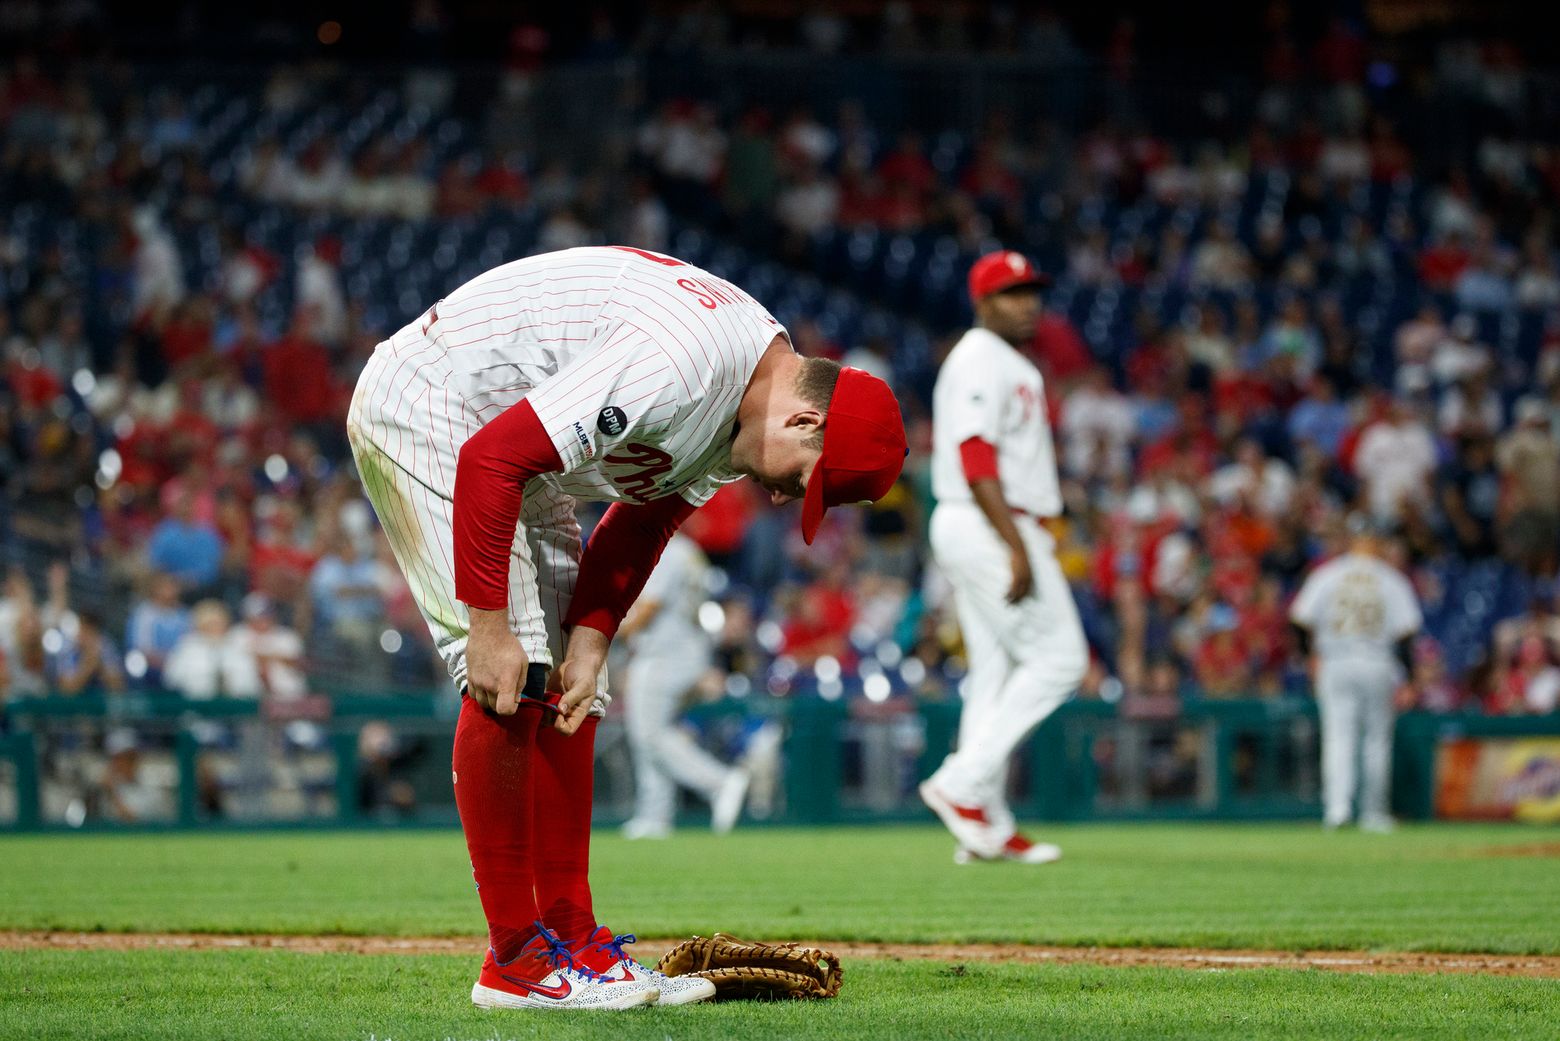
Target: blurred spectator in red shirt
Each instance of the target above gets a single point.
(1222, 662)
(908, 165)
(1531, 685)
(186, 335)
(720, 525)
(1440, 264)
(820, 626)
(1059, 347)
(298, 379)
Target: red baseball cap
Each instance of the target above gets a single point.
(863, 448)
(1001, 270)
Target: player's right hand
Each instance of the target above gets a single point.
(495, 662)
(1023, 577)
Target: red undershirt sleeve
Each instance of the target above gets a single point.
(490, 480)
(622, 552)
(979, 458)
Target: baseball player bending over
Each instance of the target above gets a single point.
(1359, 615)
(670, 652)
(994, 477)
(608, 374)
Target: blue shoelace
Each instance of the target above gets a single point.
(558, 954)
(616, 944)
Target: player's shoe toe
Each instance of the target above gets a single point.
(1020, 849)
(544, 976)
(634, 828)
(603, 953)
(681, 990)
(968, 824)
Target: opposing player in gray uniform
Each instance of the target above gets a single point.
(1358, 612)
(670, 651)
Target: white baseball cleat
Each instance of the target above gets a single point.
(1378, 825)
(1017, 849)
(604, 953)
(545, 976)
(726, 807)
(634, 828)
(969, 824)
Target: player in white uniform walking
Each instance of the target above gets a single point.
(994, 477)
(670, 651)
(1359, 613)
(609, 374)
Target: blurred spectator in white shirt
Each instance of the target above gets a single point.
(1220, 261)
(1097, 428)
(212, 660)
(1538, 284)
(1395, 459)
(1268, 484)
(809, 203)
(320, 295)
(158, 275)
(277, 650)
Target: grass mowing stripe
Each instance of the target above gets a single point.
(244, 995)
(1267, 887)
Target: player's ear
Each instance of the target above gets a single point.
(806, 420)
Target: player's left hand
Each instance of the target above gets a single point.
(1023, 576)
(575, 680)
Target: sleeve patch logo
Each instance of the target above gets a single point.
(584, 440)
(612, 421)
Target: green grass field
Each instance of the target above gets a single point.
(1433, 888)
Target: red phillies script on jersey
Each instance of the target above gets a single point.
(636, 468)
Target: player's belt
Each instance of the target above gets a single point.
(535, 689)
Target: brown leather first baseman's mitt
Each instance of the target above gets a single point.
(755, 970)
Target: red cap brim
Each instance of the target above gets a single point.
(813, 508)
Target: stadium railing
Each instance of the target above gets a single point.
(237, 763)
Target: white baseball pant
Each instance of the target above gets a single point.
(1025, 659)
(665, 755)
(406, 430)
(1354, 697)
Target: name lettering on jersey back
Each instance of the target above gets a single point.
(659, 258)
(712, 293)
(635, 468)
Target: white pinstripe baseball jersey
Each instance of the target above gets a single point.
(986, 389)
(634, 362)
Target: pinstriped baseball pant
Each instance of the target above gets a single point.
(406, 429)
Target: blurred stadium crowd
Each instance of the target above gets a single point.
(1348, 298)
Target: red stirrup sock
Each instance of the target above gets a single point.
(493, 767)
(563, 781)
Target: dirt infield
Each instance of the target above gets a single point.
(1531, 849)
(1542, 966)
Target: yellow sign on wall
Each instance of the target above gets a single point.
(1486, 778)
